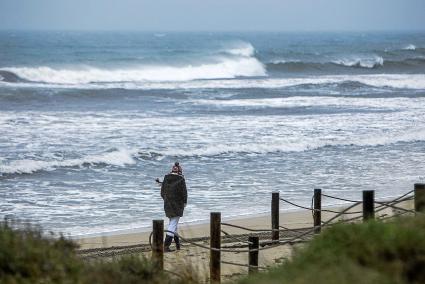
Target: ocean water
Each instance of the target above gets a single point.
(89, 120)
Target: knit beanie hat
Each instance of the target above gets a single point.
(177, 169)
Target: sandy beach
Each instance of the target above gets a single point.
(198, 258)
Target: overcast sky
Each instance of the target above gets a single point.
(222, 15)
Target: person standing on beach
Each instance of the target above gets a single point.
(174, 194)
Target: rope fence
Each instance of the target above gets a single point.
(339, 213)
(248, 229)
(257, 240)
(279, 235)
(320, 210)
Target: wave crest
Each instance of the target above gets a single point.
(226, 69)
(300, 66)
(114, 158)
(238, 61)
(124, 157)
(361, 62)
(244, 49)
(409, 47)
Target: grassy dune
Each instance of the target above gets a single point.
(373, 252)
(26, 256)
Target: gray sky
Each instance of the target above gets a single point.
(223, 15)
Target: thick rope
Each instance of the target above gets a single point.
(391, 202)
(248, 229)
(276, 243)
(385, 205)
(296, 205)
(350, 200)
(310, 231)
(339, 198)
(300, 236)
(317, 210)
(396, 207)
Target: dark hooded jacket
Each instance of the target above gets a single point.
(174, 193)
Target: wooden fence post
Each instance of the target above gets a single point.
(158, 243)
(275, 216)
(368, 204)
(215, 242)
(317, 213)
(254, 245)
(419, 197)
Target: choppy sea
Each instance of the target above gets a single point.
(89, 120)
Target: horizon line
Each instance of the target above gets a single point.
(213, 30)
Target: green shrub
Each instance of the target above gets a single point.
(28, 256)
(372, 252)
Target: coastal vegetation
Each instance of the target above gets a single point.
(371, 252)
(29, 256)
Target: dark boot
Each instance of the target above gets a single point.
(177, 240)
(167, 243)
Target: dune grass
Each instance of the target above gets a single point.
(372, 252)
(28, 256)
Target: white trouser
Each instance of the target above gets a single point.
(172, 226)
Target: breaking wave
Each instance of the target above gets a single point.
(414, 64)
(296, 146)
(240, 62)
(409, 47)
(27, 166)
(244, 49)
(297, 65)
(226, 69)
(127, 157)
(361, 62)
(300, 146)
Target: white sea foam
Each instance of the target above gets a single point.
(407, 81)
(364, 62)
(317, 101)
(290, 144)
(361, 62)
(243, 49)
(284, 61)
(399, 81)
(409, 47)
(296, 145)
(116, 158)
